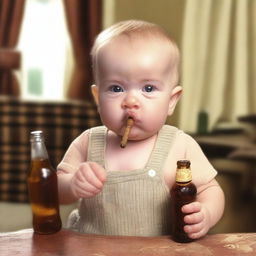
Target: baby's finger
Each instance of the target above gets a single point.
(198, 234)
(83, 188)
(99, 171)
(88, 174)
(92, 181)
(194, 218)
(88, 187)
(82, 193)
(189, 229)
(192, 207)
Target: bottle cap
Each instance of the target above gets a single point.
(36, 136)
(183, 163)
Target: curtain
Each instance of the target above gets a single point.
(11, 13)
(218, 62)
(84, 23)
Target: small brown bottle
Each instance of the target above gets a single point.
(42, 187)
(183, 192)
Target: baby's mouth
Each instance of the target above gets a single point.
(128, 127)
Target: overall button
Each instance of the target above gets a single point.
(152, 173)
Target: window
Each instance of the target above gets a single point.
(46, 50)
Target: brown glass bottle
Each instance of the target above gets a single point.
(43, 189)
(183, 192)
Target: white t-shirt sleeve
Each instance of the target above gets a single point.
(75, 155)
(187, 148)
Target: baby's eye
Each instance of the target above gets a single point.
(116, 88)
(148, 88)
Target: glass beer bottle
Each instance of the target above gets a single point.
(42, 188)
(183, 192)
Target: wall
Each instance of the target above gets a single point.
(167, 13)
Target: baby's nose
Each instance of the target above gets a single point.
(130, 101)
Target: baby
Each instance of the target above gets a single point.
(125, 190)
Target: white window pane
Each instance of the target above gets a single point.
(44, 43)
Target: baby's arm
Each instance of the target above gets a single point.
(209, 205)
(77, 177)
(87, 181)
(206, 211)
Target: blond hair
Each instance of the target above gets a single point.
(138, 29)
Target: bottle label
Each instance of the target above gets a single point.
(183, 175)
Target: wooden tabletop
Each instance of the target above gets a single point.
(67, 242)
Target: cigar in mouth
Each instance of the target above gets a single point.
(127, 130)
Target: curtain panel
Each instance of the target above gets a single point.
(11, 14)
(84, 23)
(218, 62)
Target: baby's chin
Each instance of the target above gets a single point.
(136, 134)
(139, 137)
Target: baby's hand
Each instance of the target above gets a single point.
(88, 180)
(197, 218)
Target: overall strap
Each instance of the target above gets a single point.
(97, 144)
(163, 144)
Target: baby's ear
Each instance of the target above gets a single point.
(174, 98)
(95, 93)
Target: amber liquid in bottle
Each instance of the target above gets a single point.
(183, 192)
(43, 189)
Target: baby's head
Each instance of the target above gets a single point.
(136, 30)
(135, 66)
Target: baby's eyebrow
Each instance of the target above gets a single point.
(112, 81)
(150, 81)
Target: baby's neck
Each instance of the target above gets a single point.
(134, 156)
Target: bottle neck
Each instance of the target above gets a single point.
(38, 150)
(183, 175)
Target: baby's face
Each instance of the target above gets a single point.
(135, 79)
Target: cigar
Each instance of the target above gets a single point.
(127, 130)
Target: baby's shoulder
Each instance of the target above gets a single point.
(182, 141)
(88, 132)
(82, 140)
(179, 134)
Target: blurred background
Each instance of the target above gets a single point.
(45, 78)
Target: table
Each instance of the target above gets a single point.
(67, 243)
